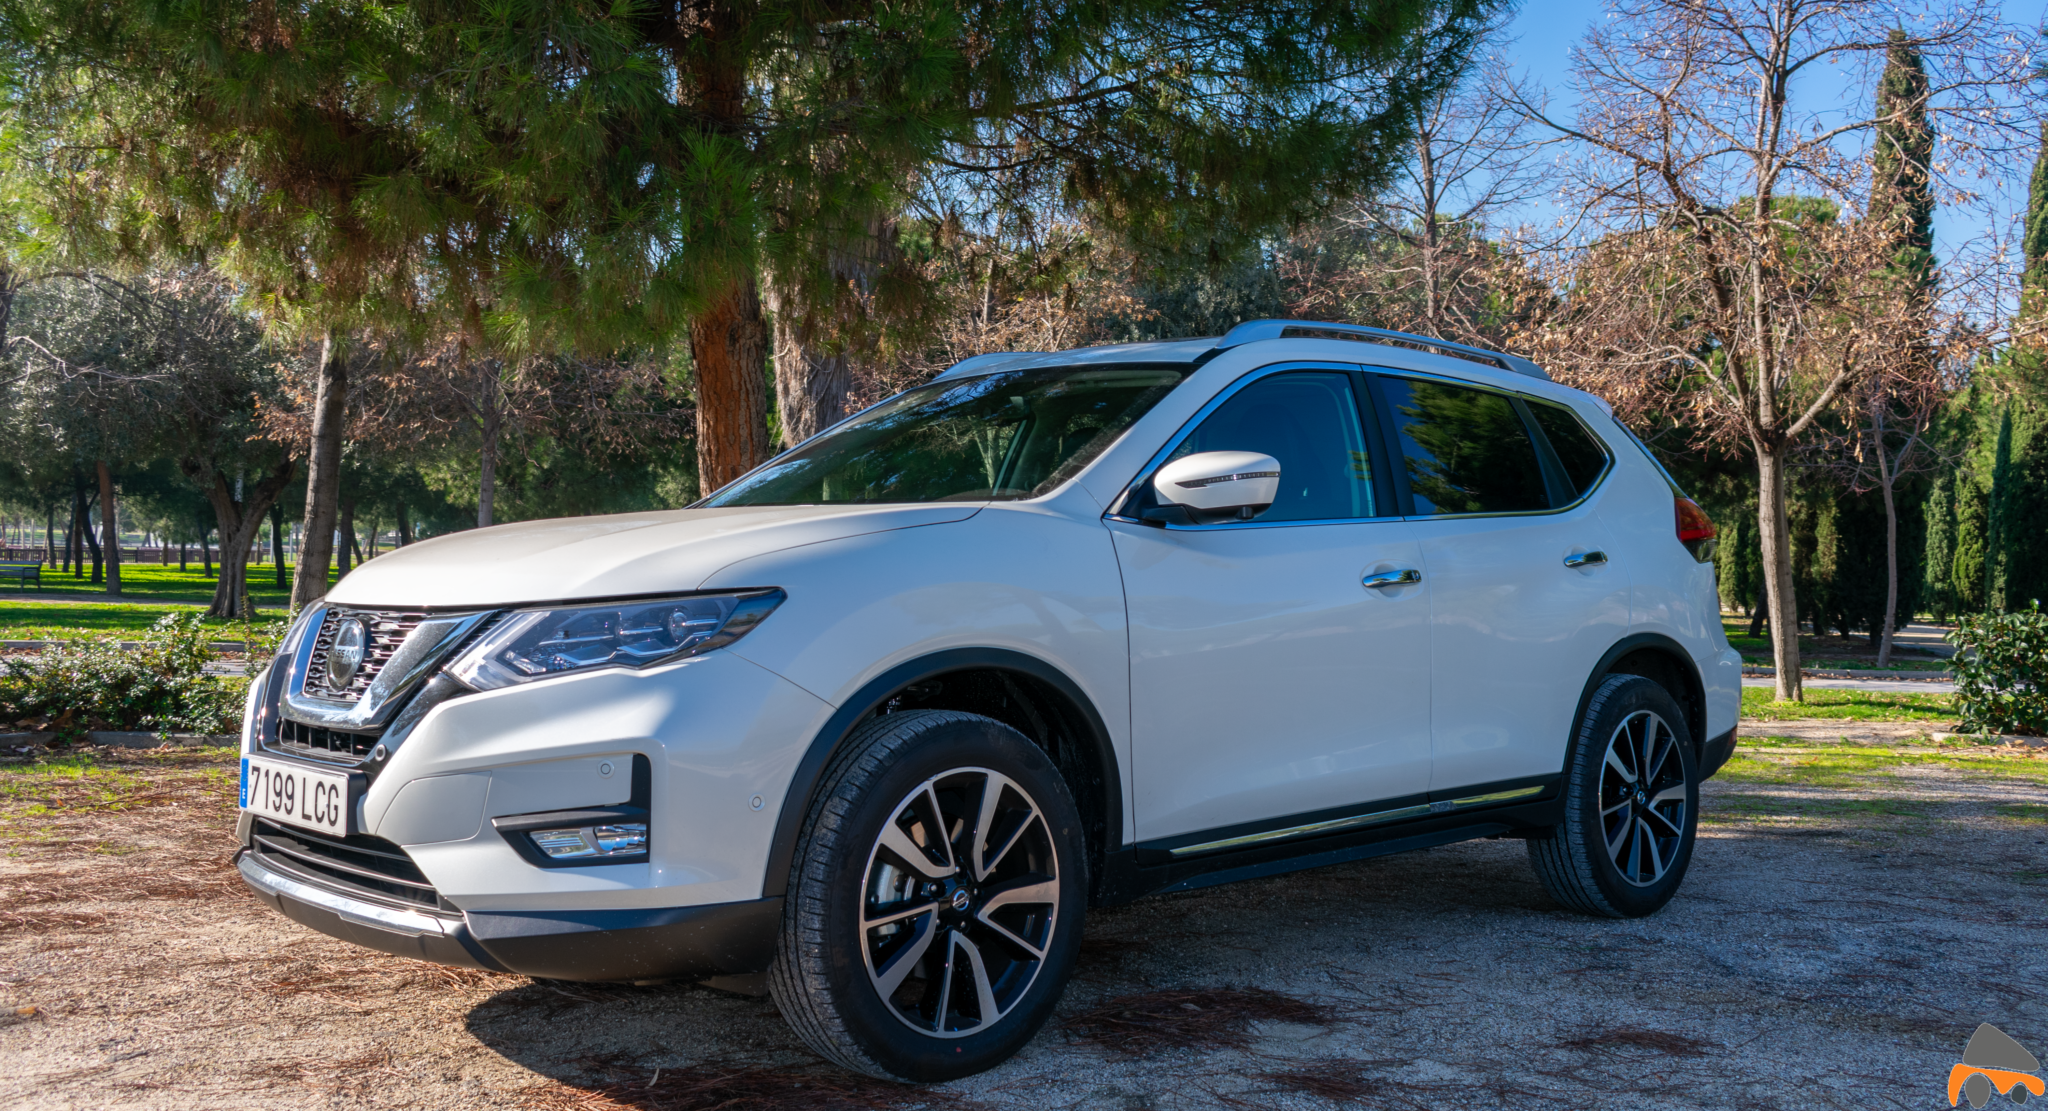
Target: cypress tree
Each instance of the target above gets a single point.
(1995, 513)
(2034, 238)
(1901, 163)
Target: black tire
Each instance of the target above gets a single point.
(833, 959)
(1576, 859)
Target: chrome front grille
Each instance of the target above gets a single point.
(361, 867)
(388, 630)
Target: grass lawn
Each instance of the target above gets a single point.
(1859, 783)
(1842, 766)
(148, 591)
(1831, 654)
(1848, 705)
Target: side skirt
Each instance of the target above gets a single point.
(1154, 867)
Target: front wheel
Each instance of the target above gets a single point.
(934, 909)
(1631, 803)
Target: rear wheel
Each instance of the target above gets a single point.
(1631, 801)
(935, 905)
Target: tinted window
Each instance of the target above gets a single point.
(1581, 454)
(1015, 434)
(1466, 451)
(1309, 422)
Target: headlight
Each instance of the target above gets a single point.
(534, 644)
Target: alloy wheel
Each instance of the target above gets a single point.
(1643, 798)
(959, 902)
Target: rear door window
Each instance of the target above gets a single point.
(1464, 450)
(1582, 456)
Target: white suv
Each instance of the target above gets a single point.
(882, 718)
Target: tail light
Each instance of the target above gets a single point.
(1695, 529)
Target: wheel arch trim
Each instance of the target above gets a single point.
(1693, 700)
(810, 770)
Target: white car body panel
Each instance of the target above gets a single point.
(1513, 634)
(718, 730)
(1265, 679)
(1038, 578)
(608, 557)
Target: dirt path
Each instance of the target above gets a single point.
(1850, 917)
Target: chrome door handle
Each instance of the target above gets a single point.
(1380, 580)
(1588, 559)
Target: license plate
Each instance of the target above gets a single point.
(296, 794)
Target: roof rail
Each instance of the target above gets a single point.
(1254, 330)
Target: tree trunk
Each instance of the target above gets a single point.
(729, 345)
(206, 550)
(811, 383)
(1891, 561)
(323, 472)
(110, 527)
(404, 527)
(814, 339)
(239, 520)
(1431, 237)
(1776, 534)
(184, 554)
(92, 540)
(70, 541)
(347, 529)
(277, 540)
(490, 421)
(50, 536)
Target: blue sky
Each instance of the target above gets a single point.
(1543, 33)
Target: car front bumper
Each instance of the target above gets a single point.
(674, 943)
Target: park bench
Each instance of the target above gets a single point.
(22, 573)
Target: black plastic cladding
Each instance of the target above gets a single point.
(1107, 820)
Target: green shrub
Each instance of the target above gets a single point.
(96, 684)
(2001, 670)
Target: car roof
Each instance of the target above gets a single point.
(1197, 351)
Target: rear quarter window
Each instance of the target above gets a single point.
(1580, 452)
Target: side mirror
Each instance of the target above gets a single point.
(1217, 486)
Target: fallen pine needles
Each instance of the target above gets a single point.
(737, 1088)
(1218, 1018)
(1637, 1037)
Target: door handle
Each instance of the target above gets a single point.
(1587, 559)
(1380, 580)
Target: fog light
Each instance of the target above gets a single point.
(622, 839)
(591, 841)
(562, 844)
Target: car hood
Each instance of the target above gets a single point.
(609, 557)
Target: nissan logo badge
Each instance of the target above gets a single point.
(347, 654)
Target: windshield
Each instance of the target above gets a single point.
(1013, 434)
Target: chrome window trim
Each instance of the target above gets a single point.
(1525, 397)
(415, 659)
(1187, 428)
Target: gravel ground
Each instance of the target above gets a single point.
(1844, 928)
